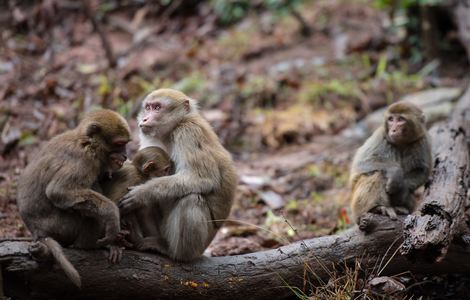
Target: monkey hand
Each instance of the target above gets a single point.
(133, 200)
(115, 254)
(121, 239)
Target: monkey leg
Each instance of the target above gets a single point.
(187, 228)
(368, 193)
(152, 244)
(386, 211)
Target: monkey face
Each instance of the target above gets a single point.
(397, 128)
(110, 133)
(404, 123)
(161, 112)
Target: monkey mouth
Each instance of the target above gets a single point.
(145, 128)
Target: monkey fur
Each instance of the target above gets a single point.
(55, 199)
(197, 198)
(149, 162)
(391, 164)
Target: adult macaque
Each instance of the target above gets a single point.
(195, 200)
(391, 164)
(149, 162)
(55, 199)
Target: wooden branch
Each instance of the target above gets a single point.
(462, 16)
(440, 216)
(262, 275)
(104, 39)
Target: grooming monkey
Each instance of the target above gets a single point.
(195, 200)
(149, 162)
(391, 164)
(55, 199)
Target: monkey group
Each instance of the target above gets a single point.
(80, 190)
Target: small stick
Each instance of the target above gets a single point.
(101, 33)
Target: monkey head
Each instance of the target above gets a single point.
(162, 110)
(152, 162)
(108, 133)
(404, 123)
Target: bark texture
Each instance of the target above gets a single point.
(441, 215)
(262, 275)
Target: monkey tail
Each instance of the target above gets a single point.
(59, 257)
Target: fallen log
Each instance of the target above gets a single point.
(262, 275)
(441, 215)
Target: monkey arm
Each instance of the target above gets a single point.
(417, 177)
(165, 188)
(197, 173)
(66, 192)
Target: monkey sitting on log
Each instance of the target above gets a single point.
(196, 199)
(55, 196)
(391, 165)
(149, 162)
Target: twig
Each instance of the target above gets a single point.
(97, 26)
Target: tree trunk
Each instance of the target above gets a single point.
(462, 16)
(441, 215)
(262, 275)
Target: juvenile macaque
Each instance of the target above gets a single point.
(55, 199)
(195, 200)
(391, 164)
(149, 162)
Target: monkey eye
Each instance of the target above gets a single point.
(401, 119)
(156, 106)
(390, 119)
(153, 106)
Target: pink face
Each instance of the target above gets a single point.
(396, 127)
(152, 112)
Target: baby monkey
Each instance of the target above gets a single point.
(391, 165)
(149, 162)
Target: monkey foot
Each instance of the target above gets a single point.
(387, 211)
(150, 244)
(402, 210)
(39, 251)
(366, 223)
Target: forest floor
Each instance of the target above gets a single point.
(277, 100)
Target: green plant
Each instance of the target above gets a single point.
(231, 11)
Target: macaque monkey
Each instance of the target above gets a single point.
(193, 202)
(149, 162)
(391, 164)
(55, 199)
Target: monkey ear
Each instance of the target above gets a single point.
(166, 169)
(93, 129)
(422, 118)
(148, 167)
(187, 106)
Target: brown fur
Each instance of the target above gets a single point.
(195, 200)
(384, 174)
(149, 162)
(55, 199)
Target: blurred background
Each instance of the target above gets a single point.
(290, 87)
